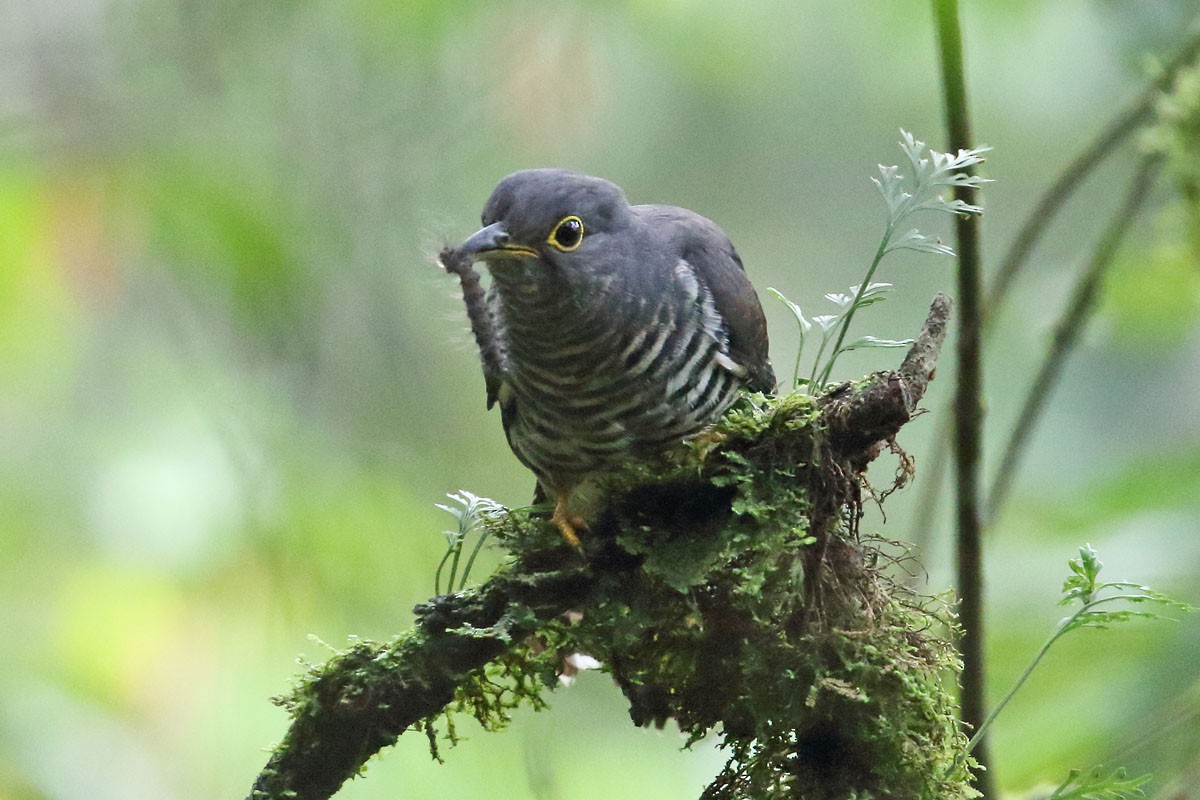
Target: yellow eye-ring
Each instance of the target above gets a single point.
(567, 234)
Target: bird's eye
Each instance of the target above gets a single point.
(567, 234)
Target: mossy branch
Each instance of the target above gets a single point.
(724, 586)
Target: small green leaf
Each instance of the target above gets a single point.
(929, 173)
(865, 342)
(470, 511)
(840, 300)
(949, 206)
(1096, 785)
(915, 240)
(805, 325)
(1081, 584)
(826, 321)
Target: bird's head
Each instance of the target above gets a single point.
(553, 216)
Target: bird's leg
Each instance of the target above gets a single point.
(566, 522)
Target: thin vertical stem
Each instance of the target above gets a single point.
(823, 378)
(968, 405)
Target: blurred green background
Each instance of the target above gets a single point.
(233, 384)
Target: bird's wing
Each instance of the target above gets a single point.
(710, 253)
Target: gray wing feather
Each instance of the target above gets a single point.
(710, 253)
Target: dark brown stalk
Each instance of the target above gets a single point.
(968, 404)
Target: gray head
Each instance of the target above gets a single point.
(553, 215)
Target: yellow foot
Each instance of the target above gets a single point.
(567, 523)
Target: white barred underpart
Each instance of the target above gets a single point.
(587, 392)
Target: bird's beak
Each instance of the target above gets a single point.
(494, 242)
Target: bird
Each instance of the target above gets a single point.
(609, 331)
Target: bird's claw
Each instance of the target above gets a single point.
(568, 525)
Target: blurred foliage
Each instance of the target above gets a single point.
(235, 385)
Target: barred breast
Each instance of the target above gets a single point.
(587, 384)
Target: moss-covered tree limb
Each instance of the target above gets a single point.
(723, 586)
(360, 701)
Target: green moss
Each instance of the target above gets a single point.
(733, 594)
(725, 587)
